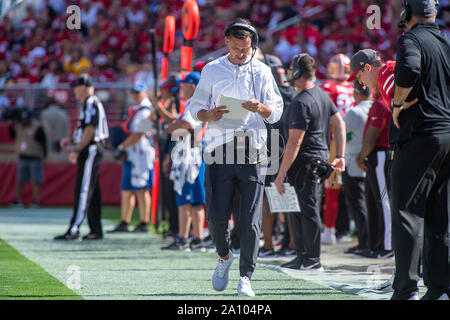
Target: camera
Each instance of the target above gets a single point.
(17, 114)
(320, 170)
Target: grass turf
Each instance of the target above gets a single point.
(22, 279)
(112, 213)
(125, 266)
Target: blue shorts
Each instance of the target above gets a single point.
(193, 193)
(30, 170)
(126, 179)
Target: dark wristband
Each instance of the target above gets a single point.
(396, 105)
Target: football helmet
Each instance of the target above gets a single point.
(338, 67)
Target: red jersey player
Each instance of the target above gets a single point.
(337, 86)
(370, 70)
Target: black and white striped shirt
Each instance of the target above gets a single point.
(92, 113)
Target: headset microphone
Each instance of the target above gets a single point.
(254, 45)
(402, 24)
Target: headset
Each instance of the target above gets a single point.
(254, 45)
(247, 27)
(297, 70)
(406, 13)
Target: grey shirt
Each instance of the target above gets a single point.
(355, 120)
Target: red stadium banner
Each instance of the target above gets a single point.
(59, 183)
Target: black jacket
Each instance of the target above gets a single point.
(423, 62)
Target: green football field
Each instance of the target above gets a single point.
(132, 266)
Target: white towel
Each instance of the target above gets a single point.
(141, 163)
(186, 164)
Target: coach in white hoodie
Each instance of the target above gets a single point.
(236, 75)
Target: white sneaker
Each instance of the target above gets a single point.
(328, 236)
(220, 275)
(444, 296)
(245, 288)
(387, 283)
(315, 266)
(344, 239)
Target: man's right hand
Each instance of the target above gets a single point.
(119, 155)
(212, 115)
(361, 163)
(64, 142)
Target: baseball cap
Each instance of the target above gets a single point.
(360, 59)
(199, 66)
(193, 77)
(170, 83)
(83, 80)
(422, 7)
(139, 86)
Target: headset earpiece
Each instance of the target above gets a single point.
(408, 12)
(297, 70)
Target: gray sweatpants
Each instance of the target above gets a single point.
(220, 182)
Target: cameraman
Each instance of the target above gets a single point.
(31, 149)
(310, 116)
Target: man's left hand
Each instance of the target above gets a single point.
(252, 105)
(396, 111)
(73, 156)
(279, 184)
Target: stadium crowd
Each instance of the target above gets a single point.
(113, 43)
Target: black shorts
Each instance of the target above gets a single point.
(269, 179)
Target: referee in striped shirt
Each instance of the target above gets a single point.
(86, 151)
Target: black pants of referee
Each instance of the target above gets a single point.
(377, 196)
(87, 198)
(421, 205)
(306, 224)
(221, 181)
(355, 198)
